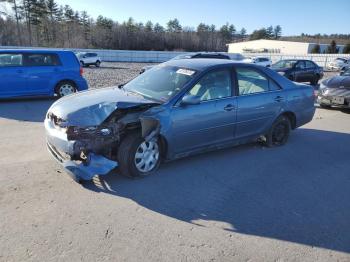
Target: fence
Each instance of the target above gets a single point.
(162, 56)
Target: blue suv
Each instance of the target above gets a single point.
(39, 73)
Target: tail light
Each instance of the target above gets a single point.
(81, 71)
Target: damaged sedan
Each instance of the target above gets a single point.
(175, 109)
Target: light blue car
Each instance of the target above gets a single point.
(175, 109)
(27, 73)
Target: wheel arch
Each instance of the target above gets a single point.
(292, 118)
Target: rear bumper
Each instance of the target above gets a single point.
(82, 84)
(62, 150)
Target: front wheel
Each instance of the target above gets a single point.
(137, 157)
(279, 132)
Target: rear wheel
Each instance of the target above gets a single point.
(137, 157)
(279, 132)
(98, 64)
(65, 88)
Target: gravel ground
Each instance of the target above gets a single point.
(246, 203)
(111, 74)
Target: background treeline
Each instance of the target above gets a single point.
(44, 23)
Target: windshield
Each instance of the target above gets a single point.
(285, 64)
(340, 60)
(346, 72)
(80, 55)
(161, 82)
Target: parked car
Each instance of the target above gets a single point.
(335, 91)
(39, 73)
(214, 55)
(338, 64)
(261, 61)
(87, 59)
(299, 70)
(176, 109)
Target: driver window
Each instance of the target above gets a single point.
(300, 65)
(214, 85)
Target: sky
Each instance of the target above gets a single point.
(295, 16)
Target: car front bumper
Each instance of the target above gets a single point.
(337, 101)
(62, 151)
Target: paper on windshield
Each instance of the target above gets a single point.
(185, 72)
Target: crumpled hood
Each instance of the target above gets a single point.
(91, 108)
(337, 81)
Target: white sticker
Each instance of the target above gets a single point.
(185, 72)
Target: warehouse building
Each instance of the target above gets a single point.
(275, 46)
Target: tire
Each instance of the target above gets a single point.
(98, 64)
(65, 88)
(325, 106)
(132, 152)
(315, 80)
(279, 132)
(82, 63)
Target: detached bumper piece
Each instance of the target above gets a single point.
(78, 170)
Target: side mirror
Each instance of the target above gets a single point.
(190, 100)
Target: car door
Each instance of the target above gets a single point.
(41, 68)
(259, 102)
(310, 71)
(210, 122)
(12, 75)
(300, 72)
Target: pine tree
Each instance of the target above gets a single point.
(332, 48)
(277, 31)
(316, 49)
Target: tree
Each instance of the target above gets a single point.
(346, 49)
(277, 32)
(259, 34)
(243, 32)
(316, 49)
(173, 26)
(332, 48)
(270, 32)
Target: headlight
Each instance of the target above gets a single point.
(282, 73)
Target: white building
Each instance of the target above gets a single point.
(275, 46)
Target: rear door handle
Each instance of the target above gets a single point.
(229, 107)
(278, 98)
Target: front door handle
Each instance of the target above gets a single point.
(229, 107)
(278, 98)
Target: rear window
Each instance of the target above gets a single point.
(41, 60)
(11, 59)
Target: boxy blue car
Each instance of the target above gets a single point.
(175, 109)
(25, 73)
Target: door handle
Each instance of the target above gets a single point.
(278, 98)
(19, 71)
(229, 107)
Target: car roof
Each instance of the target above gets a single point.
(201, 64)
(33, 50)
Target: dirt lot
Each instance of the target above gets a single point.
(247, 203)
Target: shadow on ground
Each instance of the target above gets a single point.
(31, 110)
(298, 193)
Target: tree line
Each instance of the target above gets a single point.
(44, 23)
